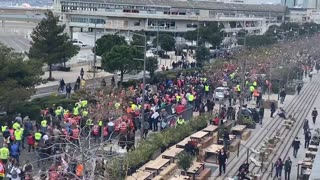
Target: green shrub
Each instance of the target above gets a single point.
(146, 148)
(34, 107)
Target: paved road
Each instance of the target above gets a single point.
(18, 42)
(300, 104)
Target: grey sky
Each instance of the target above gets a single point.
(263, 1)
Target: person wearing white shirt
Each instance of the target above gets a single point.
(155, 117)
(14, 172)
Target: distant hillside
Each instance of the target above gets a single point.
(36, 3)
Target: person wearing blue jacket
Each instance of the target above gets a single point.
(14, 150)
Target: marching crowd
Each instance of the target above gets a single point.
(165, 105)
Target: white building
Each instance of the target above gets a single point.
(303, 15)
(177, 16)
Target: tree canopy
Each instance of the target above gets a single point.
(17, 77)
(49, 42)
(152, 65)
(259, 40)
(120, 58)
(107, 42)
(166, 41)
(202, 55)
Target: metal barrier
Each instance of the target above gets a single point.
(171, 117)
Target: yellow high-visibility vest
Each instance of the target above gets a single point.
(238, 87)
(191, 97)
(252, 88)
(37, 136)
(4, 153)
(180, 121)
(254, 83)
(3, 128)
(18, 134)
(76, 111)
(16, 126)
(44, 123)
(84, 103)
(85, 113)
(206, 88)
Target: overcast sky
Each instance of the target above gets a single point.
(263, 1)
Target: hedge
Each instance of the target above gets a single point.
(33, 108)
(146, 148)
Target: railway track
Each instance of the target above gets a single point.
(284, 149)
(271, 127)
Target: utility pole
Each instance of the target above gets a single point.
(95, 55)
(270, 79)
(144, 85)
(243, 78)
(158, 26)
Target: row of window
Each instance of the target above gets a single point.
(88, 20)
(167, 12)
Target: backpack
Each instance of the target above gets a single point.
(14, 173)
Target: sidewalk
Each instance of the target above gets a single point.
(300, 135)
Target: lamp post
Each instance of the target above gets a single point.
(158, 29)
(144, 78)
(243, 70)
(95, 55)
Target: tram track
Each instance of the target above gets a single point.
(270, 128)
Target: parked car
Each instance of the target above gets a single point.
(219, 92)
(78, 43)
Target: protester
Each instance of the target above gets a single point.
(287, 168)
(222, 160)
(296, 145)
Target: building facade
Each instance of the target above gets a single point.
(176, 16)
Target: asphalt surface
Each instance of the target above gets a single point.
(18, 42)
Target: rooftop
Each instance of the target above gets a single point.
(198, 4)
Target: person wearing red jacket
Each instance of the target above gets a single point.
(105, 133)
(30, 141)
(75, 135)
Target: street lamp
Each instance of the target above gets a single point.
(243, 69)
(144, 78)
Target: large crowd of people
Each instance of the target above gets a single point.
(166, 104)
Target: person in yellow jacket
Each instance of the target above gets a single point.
(252, 88)
(85, 113)
(238, 88)
(16, 125)
(255, 83)
(4, 127)
(190, 99)
(76, 111)
(44, 126)
(180, 121)
(37, 136)
(18, 135)
(83, 103)
(4, 153)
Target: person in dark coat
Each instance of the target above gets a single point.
(287, 168)
(279, 166)
(283, 95)
(272, 109)
(222, 160)
(299, 87)
(307, 138)
(226, 138)
(296, 145)
(314, 115)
